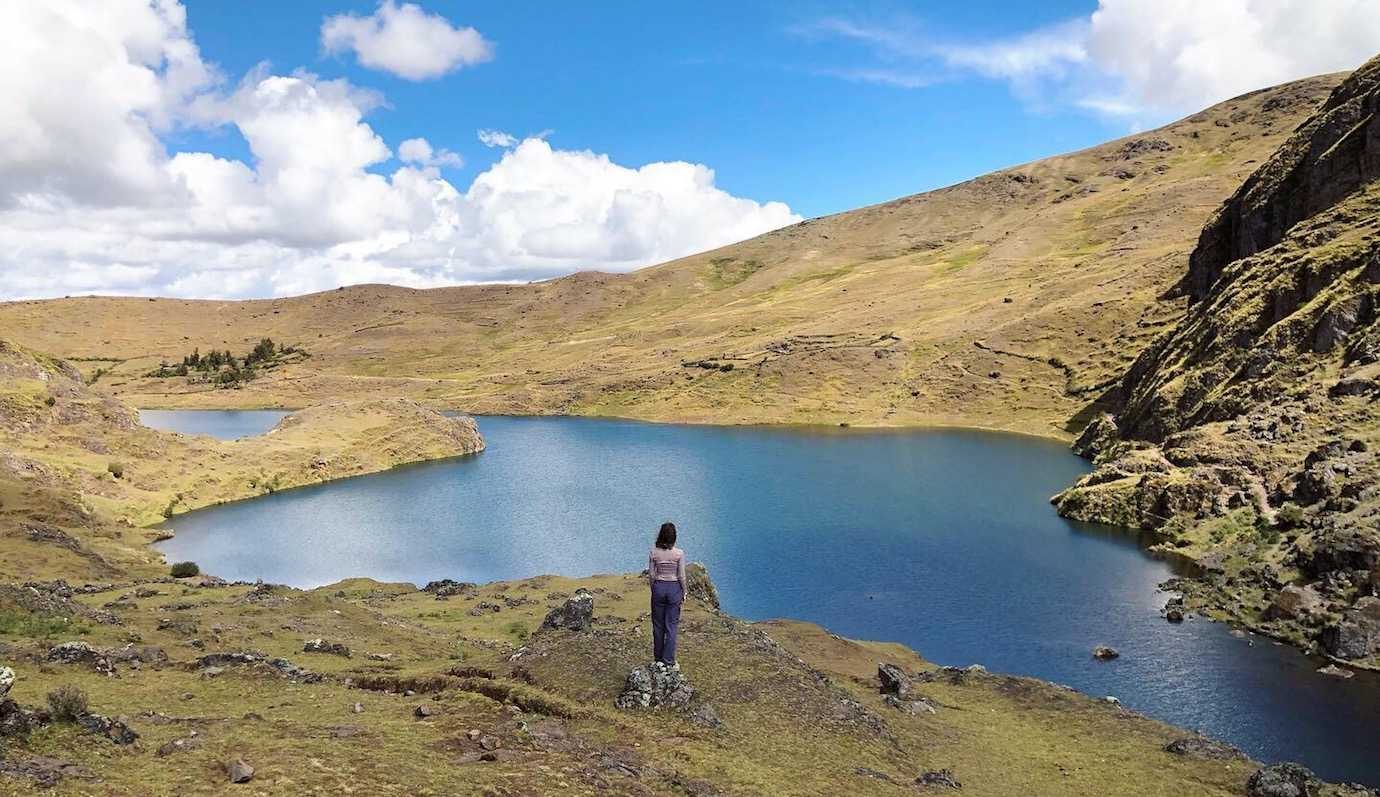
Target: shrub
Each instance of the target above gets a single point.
(66, 703)
(185, 569)
(117, 469)
(50, 401)
(1289, 516)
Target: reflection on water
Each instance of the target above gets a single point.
(943, 540)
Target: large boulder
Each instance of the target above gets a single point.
(1357, 635)
(655, 685)
(1285, 780)
(576, 614)
(6, 681)
(894, 680)
(1294, 602)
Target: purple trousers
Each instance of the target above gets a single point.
(667, 597)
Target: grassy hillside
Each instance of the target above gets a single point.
(160, 685)
(1009, 301)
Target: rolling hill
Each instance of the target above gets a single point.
(1010, 301)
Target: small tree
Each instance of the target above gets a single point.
(116, 469)
(185, 570)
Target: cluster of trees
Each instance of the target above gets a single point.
(225, 369)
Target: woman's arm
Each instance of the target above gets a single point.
(651, 571)
(680, 573)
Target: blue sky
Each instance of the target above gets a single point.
(744, 88)
(254, 148)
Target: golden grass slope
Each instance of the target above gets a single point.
(1008, 301)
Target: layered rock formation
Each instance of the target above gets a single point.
(1244, 437)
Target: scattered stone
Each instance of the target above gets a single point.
(7, 679)
(473, 735)
(484, 607)
(114, 730)
(490, 742)
(938, 779)
(1105, 653)
(446, 588)
(45, 772)
(488, 757)
(239, 771)
(358, 708)
(1174, 614)
(576, 614)
(655, 686)
(1112, 700)
(1336, 672)
(322, 646)
(177, 746)
(379, 656)
(423, 711)
(868, 772)
(1203, 747)
(707, 717)
(894, 680)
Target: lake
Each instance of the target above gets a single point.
(943, 540)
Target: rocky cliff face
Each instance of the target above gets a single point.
(1245, 436)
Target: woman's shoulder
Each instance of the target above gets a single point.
(677, 552)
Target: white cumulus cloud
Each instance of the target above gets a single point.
(406, 41)
(1134, 57)
(92, 200)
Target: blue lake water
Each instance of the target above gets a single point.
(943, 540)
(225, 424)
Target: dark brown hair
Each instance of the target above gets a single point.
(666, 538)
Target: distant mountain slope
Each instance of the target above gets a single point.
(1009, 301)
(1246, 435)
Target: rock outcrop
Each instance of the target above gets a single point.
(655, 686)
(576, 614)
(1242, 437)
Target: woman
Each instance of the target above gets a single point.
(666, 571)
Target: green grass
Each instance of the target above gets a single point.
(19, 623)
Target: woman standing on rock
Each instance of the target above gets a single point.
(666, 571)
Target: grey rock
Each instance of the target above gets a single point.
(938, 779)
(239, 771)
(1293, 602)
(894, 680)
(1357, 635)
(1105, 653)
(576, 614)
(1203, 747)
(700, 586)
(655, 686)
(7, 679)
(1283, 780)
(322, 646)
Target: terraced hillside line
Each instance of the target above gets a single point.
(1068, 251)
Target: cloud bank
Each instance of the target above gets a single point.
(92, 200)
(1132, 58)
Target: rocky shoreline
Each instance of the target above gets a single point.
(1244, 438)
